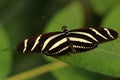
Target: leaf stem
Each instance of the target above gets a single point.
(38, 71)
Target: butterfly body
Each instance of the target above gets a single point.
(59, 43)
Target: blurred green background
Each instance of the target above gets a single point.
(20, 19)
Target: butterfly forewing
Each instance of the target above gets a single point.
(97, 35)
(30, 45)
(53, 43)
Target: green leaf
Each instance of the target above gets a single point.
(5, 55)
(102, 6)
(71, 16)
(105, 59)
(112, 21)
(101, 60)
(75, 73)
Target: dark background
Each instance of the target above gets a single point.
(24, 18)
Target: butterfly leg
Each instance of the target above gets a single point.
(71, 46)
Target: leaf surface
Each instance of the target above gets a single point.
(5, 55)
(105, 59)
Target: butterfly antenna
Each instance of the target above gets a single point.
(7, 49)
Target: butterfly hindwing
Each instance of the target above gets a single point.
(55, 45)
(80, 44)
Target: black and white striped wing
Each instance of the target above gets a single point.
(79, 43)
(58, 43)
(88, 38)
(97, 35)
(53, 43)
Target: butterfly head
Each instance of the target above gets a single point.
(64, 28)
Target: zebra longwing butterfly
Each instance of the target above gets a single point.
(59, 43)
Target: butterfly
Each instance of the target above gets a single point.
(60, 43)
